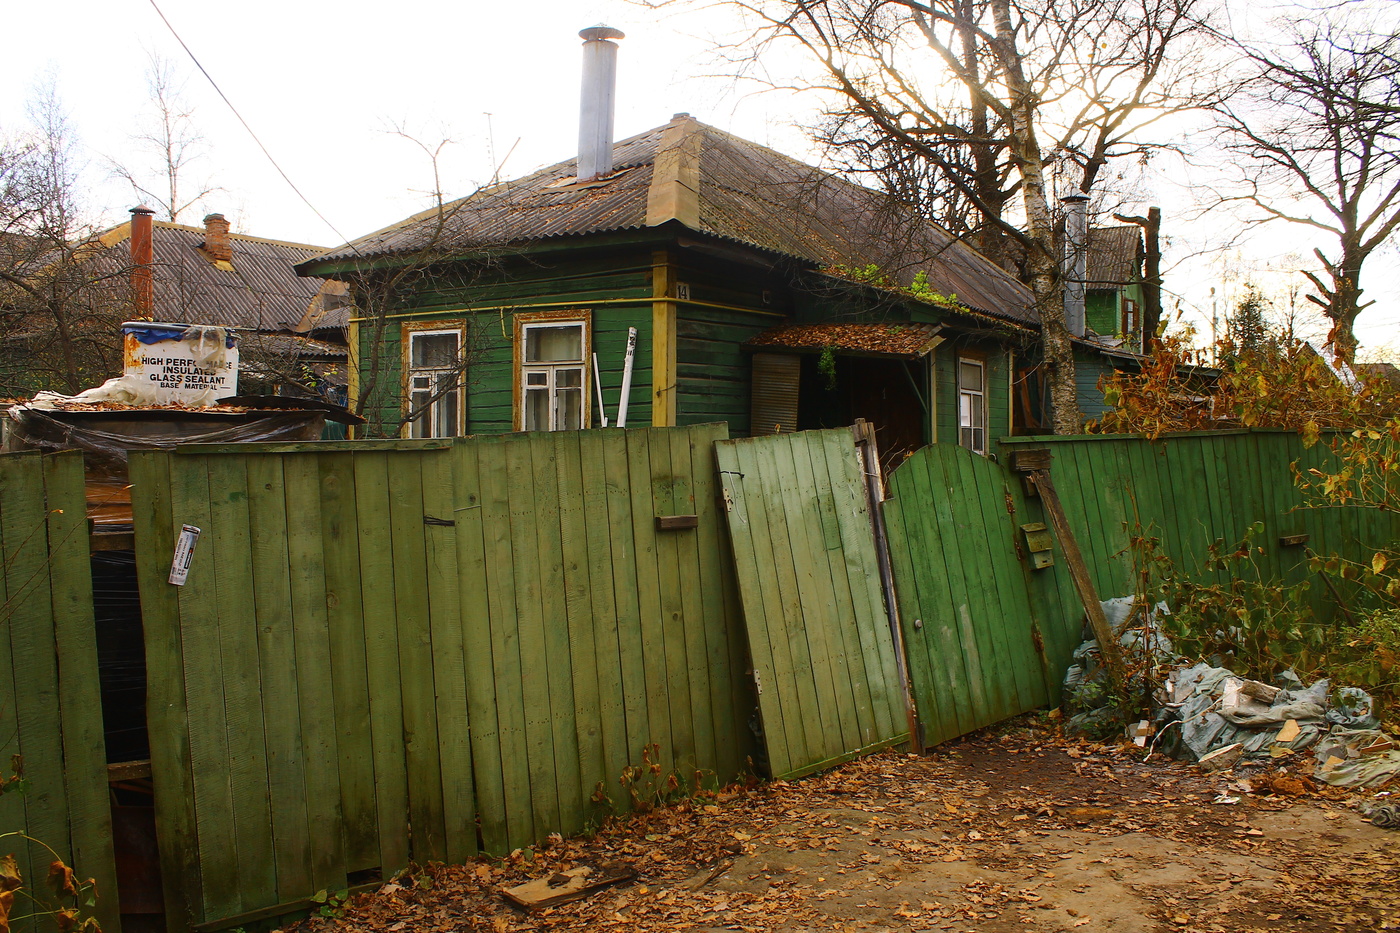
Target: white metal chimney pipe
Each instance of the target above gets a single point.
(595, 118)
(1076, 260)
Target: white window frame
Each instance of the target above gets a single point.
(965, 416)
(429, 421)
(524, 370)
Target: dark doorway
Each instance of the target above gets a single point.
(836, 390)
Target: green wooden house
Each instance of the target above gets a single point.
(1113, 298)
(763, 292)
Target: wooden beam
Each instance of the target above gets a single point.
(1079, 573)
(663, 341)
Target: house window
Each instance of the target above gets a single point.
(972, 405)
(552, 353)
(435, 383)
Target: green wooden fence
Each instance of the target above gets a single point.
(50, 705)
(972, 633)
(822, 650)
(988, 637)
(395, 651)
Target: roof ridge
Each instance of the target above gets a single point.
(122, 231)
(674, 193)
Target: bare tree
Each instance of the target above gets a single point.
(1315, 132)
(62, 293)
(993, 94)
(172, 146)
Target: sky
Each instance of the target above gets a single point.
(326, 87)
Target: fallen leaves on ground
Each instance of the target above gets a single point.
(1016, 830)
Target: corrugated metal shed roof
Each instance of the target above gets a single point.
(258, 290)
(907, 340)
(746, 193)
(1114, 256)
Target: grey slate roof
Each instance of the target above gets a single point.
(261, 290)
(718, 184)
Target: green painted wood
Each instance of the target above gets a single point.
(649, 606)
(474, 602)
(672, 619)
(795, 625)
(553, 626)
(167, 709)
(415, 654)
(622, 572)
(276, 652)
(778, 709)
(575, 542)
(204, 684)
(382, 677)
(529, 623)
(340, 548)
(301, 489)
(729, 730)
(606, 751)
(690, 601)
(230, 566)
(453, 721)
(497, 478)
(84, 753)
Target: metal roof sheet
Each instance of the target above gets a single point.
(747, 193)
(1114, 256)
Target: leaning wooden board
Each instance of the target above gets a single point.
(804, 553)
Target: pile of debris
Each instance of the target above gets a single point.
(1209, 714)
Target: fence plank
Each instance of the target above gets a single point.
(416, 663)
(453, 720)
(315, 687)
(276, 652)
(382, 679)
(229, 551)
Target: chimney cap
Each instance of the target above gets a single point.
(212, 217)
(142, 209)
(680, 116)
(1074, 198)
(594, 33)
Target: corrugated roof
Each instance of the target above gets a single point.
(907, 340)
(1114, 256)
(258, 290)
(719, 184)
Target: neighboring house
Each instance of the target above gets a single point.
(1113, 298)
(745, 273)
(291, 328)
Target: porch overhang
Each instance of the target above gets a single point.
(903, 341)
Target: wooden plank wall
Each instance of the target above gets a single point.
(970, 631)
(995, 636)
(50, 706)
(818, 635)
(398, 650)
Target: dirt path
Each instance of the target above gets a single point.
(1017, 832)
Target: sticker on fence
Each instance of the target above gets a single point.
(184, 553)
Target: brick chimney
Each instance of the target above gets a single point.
(216, 242)
(142, 261)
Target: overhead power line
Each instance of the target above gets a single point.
(218, 90)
